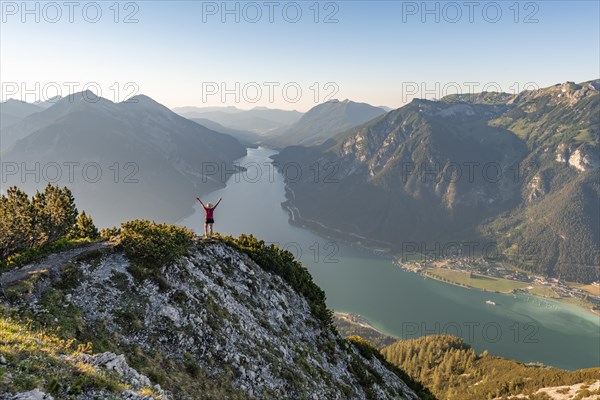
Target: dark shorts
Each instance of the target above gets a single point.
(209, 221)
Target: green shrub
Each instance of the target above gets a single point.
(365, 348)
(141, 272)
(20, 289)
(154, 245)
(71, 276)
(179, 296)
(119, 279)
(110, 233)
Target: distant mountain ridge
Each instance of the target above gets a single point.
(12, 111)
(245, 137)
(324, 121)
(150, 159)
(541, 150)
(259, 120)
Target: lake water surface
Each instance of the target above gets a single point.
(401, 303)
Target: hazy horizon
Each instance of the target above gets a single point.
(256, 107)
(248, 54)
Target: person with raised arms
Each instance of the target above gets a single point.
(209, 210)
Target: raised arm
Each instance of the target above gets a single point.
(217, 203)
(198, 198)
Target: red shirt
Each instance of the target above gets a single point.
(209, 211)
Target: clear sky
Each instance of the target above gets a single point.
(265, 53)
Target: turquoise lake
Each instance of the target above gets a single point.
(404, 304)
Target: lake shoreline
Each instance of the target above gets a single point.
(325, 231)
(384, 248)
(352, 324)
(361, 321)
(424, 274)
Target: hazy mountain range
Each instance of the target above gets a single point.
(520, 171)
(259, 120)
(12, 111)
(137, 154)
(245, 137)
(148, 157)
(323, 122)
(280, 128)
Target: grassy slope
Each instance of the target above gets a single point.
(40, 358)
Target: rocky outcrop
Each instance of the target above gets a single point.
(116, 363)
(34, 394)
(583, 162)
(581, 391)
(580, 159)
(218, 311)
(37, 394)
(537, 188)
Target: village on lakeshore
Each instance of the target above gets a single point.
(492, 276)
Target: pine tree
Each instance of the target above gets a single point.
(17, 222)
(84, 227)
(55, 213)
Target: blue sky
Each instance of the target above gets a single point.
(383, 53)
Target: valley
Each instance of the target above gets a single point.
(461, 171)
(362, 282)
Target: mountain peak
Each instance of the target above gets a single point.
(478, 98)
(142, 98)
(79, 99)
(569, 93)
(16, 104)
(325, 120)
(14, 101)
(148, 103)
(14, 110)
(85, 95)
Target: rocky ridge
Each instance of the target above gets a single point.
(216, 314)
